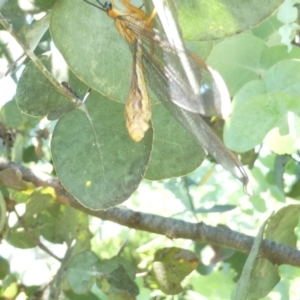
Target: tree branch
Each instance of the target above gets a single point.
(172, 228)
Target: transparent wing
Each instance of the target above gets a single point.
(159, 81)
(206, 90)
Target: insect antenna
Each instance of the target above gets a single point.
(101, 6)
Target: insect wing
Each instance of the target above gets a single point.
(137, 109)
(192, 122)
(208, 94)
(209, 97)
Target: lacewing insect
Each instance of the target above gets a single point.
(137, 109)
(181, 80)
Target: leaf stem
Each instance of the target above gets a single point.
(68, 94)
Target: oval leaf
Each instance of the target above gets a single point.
(95, 158)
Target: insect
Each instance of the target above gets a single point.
(137, 109)
(182, 81)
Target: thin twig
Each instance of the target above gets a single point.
(35, 239)
(38, 63)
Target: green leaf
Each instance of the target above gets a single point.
(217, 285)
(29, 155)
(295, 190)
(70, 295)
(22, 239)
(233, 136)
(284, 76)
(175, 152)
(10, 285)
(258, 204)
(114, 276)
(232, 17)
(267, 29)
(264, 277)
(237, 262)
(285, 143)
(82, 31)
(38, 201)
(238, 60)
(254, 118)
(4, 268)
(281, 226)
(108, 265)
(117, 278)
(11, 114)
(273, 55)
(171, 266)
(246, 282)
(37, 96)
(36, 31)
(56, 223)
(95, 158)
(64, 224)
(82, 272)
(13, 117)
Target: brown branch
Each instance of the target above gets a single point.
(172, 228)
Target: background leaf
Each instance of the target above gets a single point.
(233, 17)
(79, 272)
(171, 266)
(95, 158)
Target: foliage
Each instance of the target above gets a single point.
(179, 237)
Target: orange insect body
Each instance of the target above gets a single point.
(137, 109)
(135, 13)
